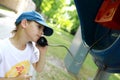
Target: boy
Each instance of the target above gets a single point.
(19, 51)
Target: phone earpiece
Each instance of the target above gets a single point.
(42, 41)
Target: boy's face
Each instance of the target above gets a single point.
(34, 30)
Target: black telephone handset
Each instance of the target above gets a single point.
(42, 41)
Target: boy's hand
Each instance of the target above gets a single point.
(43, 50)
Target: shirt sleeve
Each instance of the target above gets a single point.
(35, 55)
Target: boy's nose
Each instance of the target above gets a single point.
(41, 32)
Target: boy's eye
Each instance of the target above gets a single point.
(39, 27)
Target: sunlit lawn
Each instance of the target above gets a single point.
(88, 70)
(62, 38)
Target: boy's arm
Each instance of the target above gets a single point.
(42, 59)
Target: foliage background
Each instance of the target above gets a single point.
(61, 13)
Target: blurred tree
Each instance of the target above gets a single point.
(38, 4)
(61, 13)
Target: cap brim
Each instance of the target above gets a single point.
(47, 30)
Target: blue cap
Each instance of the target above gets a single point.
(35, 16)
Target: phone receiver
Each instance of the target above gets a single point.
(42, 41)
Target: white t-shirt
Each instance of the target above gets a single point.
(14, 61)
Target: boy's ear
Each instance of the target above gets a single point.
(24, 23)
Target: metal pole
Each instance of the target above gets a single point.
(79, 52)
(102, 75)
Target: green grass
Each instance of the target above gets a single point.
(62, 38)
(88, 70)
(115, 77)
(54, 73)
